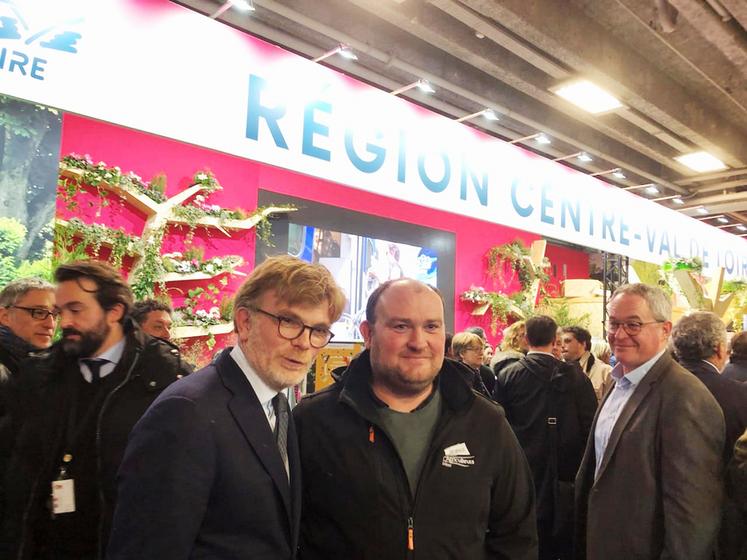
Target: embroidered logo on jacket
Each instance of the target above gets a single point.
(457, 455)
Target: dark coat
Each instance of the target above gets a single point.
(203, 478)
(659, 490)
(732, 398)
(357, 501)
(736, 370)
(147, 366)
(531, 390)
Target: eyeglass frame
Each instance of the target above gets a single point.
(33, 310)
(623, 324)
(281, 318)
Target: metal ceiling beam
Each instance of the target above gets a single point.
(581, 43)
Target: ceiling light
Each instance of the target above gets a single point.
(723, 219)
(741, 227)
(425, 86)
(701, 162)
(487, 113)
(422, 85)
(618, 174)
(341, 49)
(586, 158)
(241, 5)
(588, 96)
(652, 190)
(542, 139)
(678, 200)
(702, 210)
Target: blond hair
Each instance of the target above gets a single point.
(513, 336)
(295, 282)
(464, 341)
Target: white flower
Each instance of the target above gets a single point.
(209, 268)
(199, 198)
(215, 312)
(215, 208)
(201, 177)
(201, 313)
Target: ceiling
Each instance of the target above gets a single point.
(678, 66)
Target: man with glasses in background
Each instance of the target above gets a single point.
(212, 469)
(650, 483)
(27, 321)
(79, 402)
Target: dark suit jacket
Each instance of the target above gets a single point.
(202, 476)
(659, 491)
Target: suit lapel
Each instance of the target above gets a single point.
(630, 408)
(247, 411)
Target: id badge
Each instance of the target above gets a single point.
(63, 496)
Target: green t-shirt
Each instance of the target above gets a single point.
(411, 433)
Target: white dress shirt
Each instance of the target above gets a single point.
(113, 355)
(264, 393)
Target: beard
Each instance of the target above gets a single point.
(89, 342)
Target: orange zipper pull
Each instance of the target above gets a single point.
(410, 534)
(371, 437)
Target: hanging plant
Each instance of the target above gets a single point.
(694, 265)
(94, 174)
(79, 238)
(207, 180)
(501, 306)
(149, 272)
(517, 256)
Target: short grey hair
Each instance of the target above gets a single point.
(658, 302)
(16, 289)
(696, 336)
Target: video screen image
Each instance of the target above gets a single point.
(359, 264)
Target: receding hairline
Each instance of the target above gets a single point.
(417, 287)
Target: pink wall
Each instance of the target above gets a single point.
(148, 155)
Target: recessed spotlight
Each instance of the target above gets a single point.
(619, 174)
(347, 52)
(702, 210)
(243, 5)
(678, 200)
(652, 189)
(723, 219)
(701, 162)
(588, 96)
(543, 139)
(586, 158)
(741, 227)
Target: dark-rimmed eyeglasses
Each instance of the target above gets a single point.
(631, 328)
(38, 313)
(290, 329)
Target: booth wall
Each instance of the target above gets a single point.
(149, 155)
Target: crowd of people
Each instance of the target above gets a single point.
(427, 445)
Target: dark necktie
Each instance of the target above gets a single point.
(280, 404)
(95, 365)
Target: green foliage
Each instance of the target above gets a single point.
(560, 311)
(12, 234)
(150, 270)
(75, 239)
(516, 254)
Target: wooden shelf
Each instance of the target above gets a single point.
(143, 203)
(177, 277)
(191, 332)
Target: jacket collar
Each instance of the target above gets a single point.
(356, 385)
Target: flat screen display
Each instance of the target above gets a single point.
(359, 264)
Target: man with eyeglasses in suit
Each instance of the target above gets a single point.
(215, 461)
(650, 482)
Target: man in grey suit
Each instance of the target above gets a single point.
(650, 483)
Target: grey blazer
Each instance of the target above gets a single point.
(659, 490)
